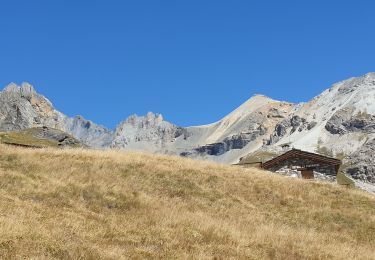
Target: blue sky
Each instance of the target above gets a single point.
(193, 61)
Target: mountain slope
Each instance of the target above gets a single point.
(116, 205)
(244, 130)
(21, 107)
(339, 122)
(334, 113)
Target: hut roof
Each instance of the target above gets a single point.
(302, 154)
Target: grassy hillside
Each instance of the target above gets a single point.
(33, 137)
(112, 205)
(25, 138)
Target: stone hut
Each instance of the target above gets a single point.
(303, 164)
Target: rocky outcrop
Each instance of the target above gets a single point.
(63, 139)
(345, 121)
(21, 107)
(88, 132)
(361, 164)
(311, 125)
(237, 141)
(289, 126)
(297, 123)
(275, 112)
(148, 132)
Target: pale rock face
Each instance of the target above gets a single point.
(88, 132)
(21, 107)
(241, 132)
(360, 164)
(345, 110)
(150, 133)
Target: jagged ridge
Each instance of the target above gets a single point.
(21, 107)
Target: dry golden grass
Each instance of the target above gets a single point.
(25, 138)
(115, 205)
(29, 137)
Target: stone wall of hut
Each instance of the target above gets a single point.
(289, 167)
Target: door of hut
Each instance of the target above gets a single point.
(307, 174)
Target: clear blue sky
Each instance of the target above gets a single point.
(193, 61)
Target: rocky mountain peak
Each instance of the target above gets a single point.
(11, 87)
(25, 88)
(370, 75)
(150, 119)
(149, 132)
(154, 117)
(261, 96)
(21, 107)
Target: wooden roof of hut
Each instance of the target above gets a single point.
(295, 153)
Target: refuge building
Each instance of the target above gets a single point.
(304, 164)
(296, 163)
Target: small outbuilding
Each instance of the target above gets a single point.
(256, 159)
(304, 164)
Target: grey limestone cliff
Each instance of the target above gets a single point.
(22, 107)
